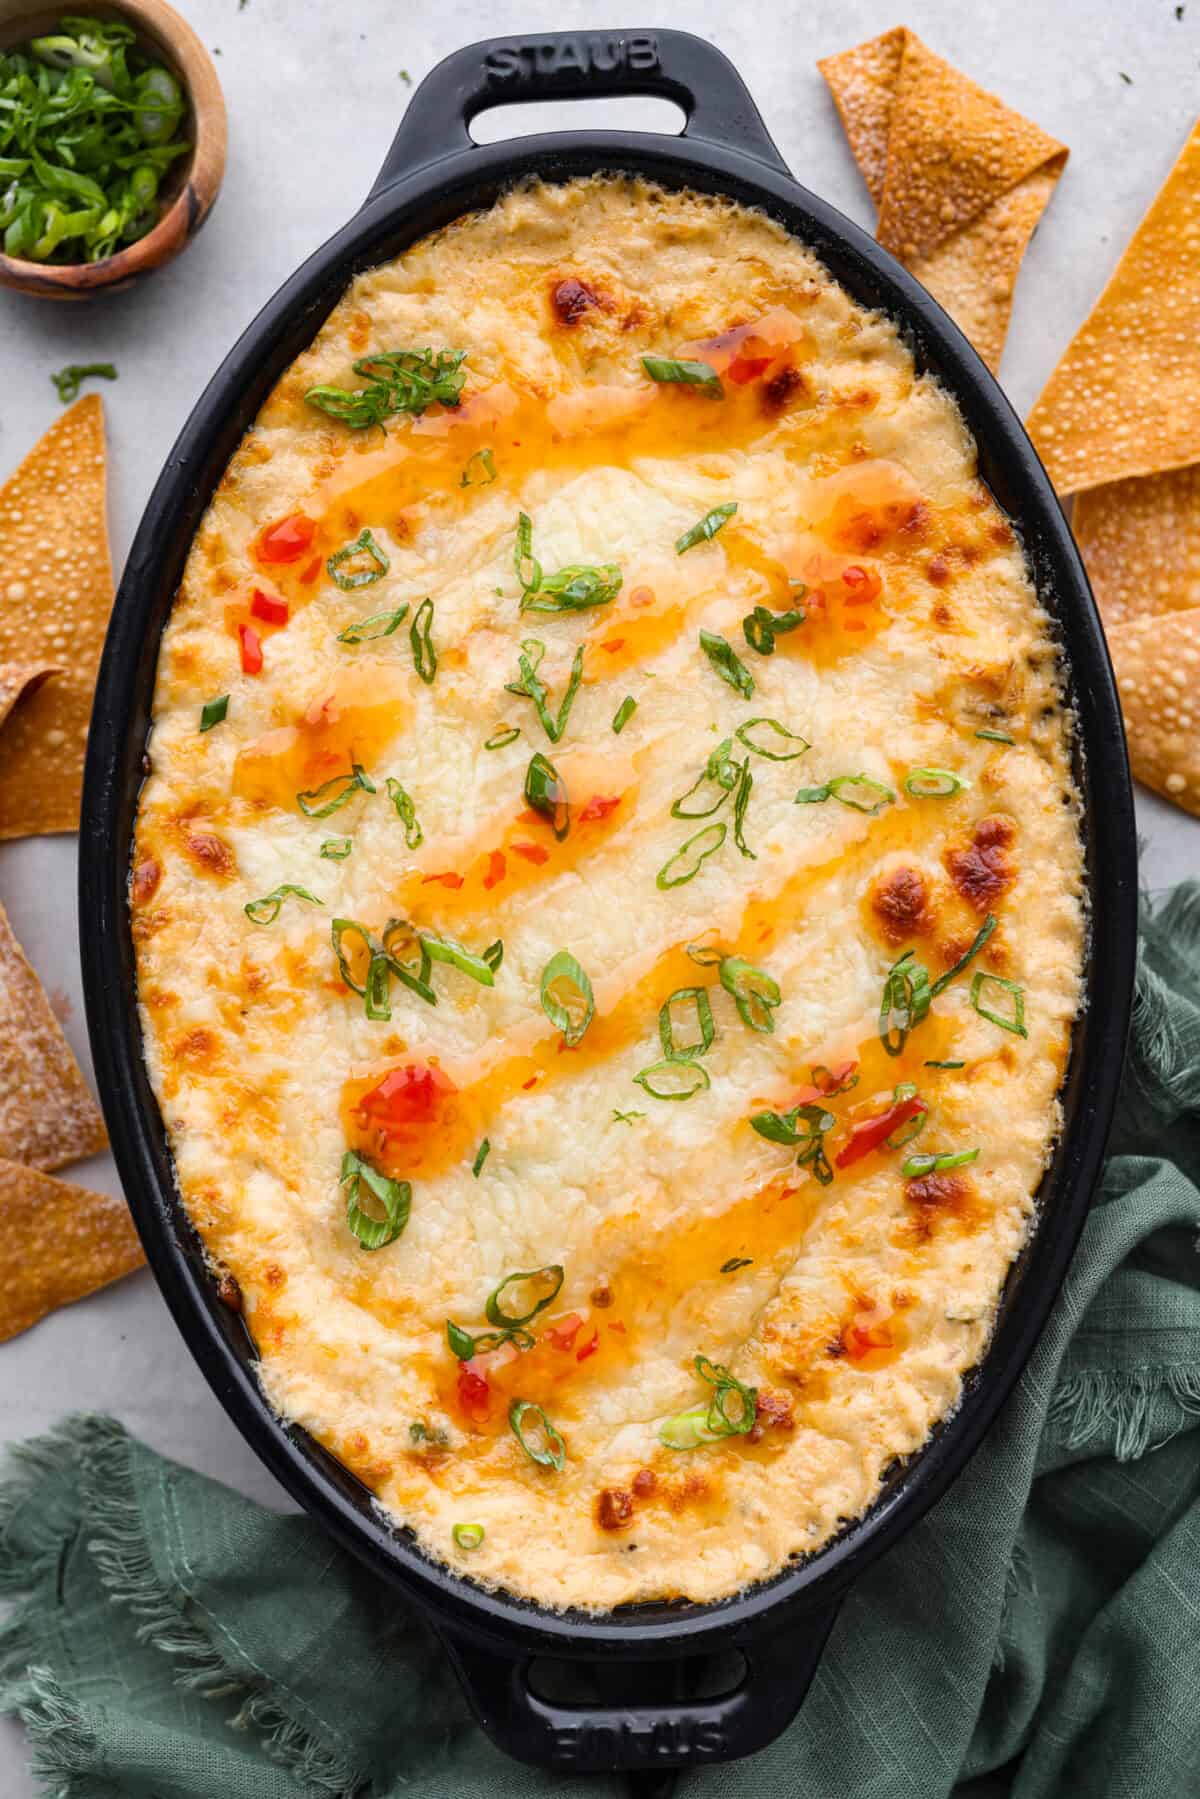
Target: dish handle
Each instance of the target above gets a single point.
(576, 65)
(642, 1718)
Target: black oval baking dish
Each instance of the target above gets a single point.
(647, 1706)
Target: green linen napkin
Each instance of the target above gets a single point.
(1036, 1636)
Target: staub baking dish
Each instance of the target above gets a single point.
(660, 1685)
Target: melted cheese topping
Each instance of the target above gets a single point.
(853, 1308)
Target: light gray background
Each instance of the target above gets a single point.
(314, 93)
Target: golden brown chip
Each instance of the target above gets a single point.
(47, 1115)
(55, 598)
(1141, 542)
(1125, 399)
(1157, 663)
(58, 1243)
(960, 179)
(18, 678)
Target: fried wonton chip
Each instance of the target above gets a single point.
(1157, 663)
(55, 598)
(18, 678)
(58, 1243)
(1125, 399)
(47, 1115)
(960, 179)
(1141, 542)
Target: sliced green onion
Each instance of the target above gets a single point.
(464, 1345)
(481, 1156)
(761, 627)
(1015, 1020)
(503, 737)
(574, 589)
(934, 783)
(345, 927)
(981, 936)
(734, 1263)
(532, 687)
(362, 1183)
(727, 663)
(364, 629)
(396, 381)
(336, 849)
(546, 794)
(67, 380)
(672, 1079)
(945, 1064)
(688, 859)
(783, 1127)
(554, 1452)
(754, 992)
(912, 1127)
(721, 772)
(571, 1011)
(620, 1117)
(780, 731)
(213, 712)
(687, 374)
(706, 955)
(444, 949)
(467, 1536)
(905, 1002)
(686, 1430)
(397, 936)
(487, 464)
(528, 568)
(706, 528)
(377, 992)
(364, 545)
(406, 812)
(420, 636)
(916, 1166)
(858, 791)
(341, 787)
(741, 800)
(684, 1052)
(266, 910)
(709, 1422)
(996, 736)
(550, 1277)
(624, 713)
(493, 955)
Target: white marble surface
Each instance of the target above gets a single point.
(314, 94)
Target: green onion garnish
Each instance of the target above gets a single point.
(528, 568)
(934, 783)
(396, 381)
(377, 991)
(858, 791)
(67, 380)
(690, 857)
(916, 1166)
(502, 738)
(741, 800)
(624, 713)
(754, 992)
(734, 1263)
(213, 712)
(706, 528)
(549, 1278)
(364, 1183)
(383, 958)
(532, 687)
(467, 1536)
(348, 578)
(481, 1156)
(996, 736)
(761, 627)
(341, 787)
(709, 1422)
(706, 955)
(780, 731)
(809, 1142)
(336, 849)
(913, 1126)
(684, 1052)
(945, 1064)
(620, 1117)
(421, 638)
(405, 811)
(981, 936)
(546, 794)
(464, 1345)
(905, 1002)
(727, 663)
(554, 1452)
(485, 463)
(364, 629)
(720, 772)
(398, 937)
(493, 955)
(574, 589)
(266, 910)
(672, 1079)
(567, 998)
(1015, 1020)
(444, 949)
(687, 374)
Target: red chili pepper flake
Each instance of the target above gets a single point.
(287, 541)
(532, 852)
(872, 1132)
(589, 1346)
(747, 368)
(269, 607)
(864, 585)
(448, 879)
(613, 645)
(563, 1333)
(309, 574)
(532, 1082)
(250, 645)
(497, 868)
(599, 806)
(474, 1393)
(616, 1325)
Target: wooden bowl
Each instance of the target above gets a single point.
(191, 184)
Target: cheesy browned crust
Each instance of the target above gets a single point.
(853, 1308)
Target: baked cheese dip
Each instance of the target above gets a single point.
(607, 895)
